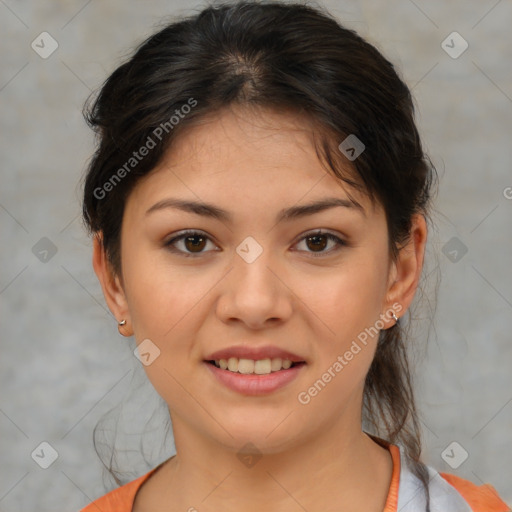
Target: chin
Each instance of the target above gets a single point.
(264, 435)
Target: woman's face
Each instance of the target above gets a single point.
(252, 280)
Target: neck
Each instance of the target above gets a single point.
(344, 468)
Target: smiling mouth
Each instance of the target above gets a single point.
(254, 367)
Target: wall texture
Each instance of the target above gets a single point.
(63, 363)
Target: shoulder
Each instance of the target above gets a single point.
(481, 498)
(447, 492)
(120, 499)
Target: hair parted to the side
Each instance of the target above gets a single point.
(285, 57)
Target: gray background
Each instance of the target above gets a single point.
(63, 362)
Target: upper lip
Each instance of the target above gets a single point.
(255, 353)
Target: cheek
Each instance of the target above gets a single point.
(159, 294)
(352, 298)
(349, 304)
(164, 308)
(167, 307)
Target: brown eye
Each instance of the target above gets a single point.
(193, 243)
(318, 241)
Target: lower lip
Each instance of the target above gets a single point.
(253, 384)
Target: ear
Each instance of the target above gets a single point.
(406, 270)
(110, 284)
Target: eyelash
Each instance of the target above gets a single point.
(330, 236)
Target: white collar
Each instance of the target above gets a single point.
(443, 496)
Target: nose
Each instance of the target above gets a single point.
(254, 292)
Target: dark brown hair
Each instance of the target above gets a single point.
(281, 56)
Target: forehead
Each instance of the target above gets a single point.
(255, 157)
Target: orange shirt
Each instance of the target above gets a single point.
(480, 498)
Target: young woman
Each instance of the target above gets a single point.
(258, 203)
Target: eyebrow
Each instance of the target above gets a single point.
(294, 212)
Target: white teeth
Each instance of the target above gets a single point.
(245, 366)
(248, 366)
(263, 366)
(233, 364)
(276, 364)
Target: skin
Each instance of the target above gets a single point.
(315, 456)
